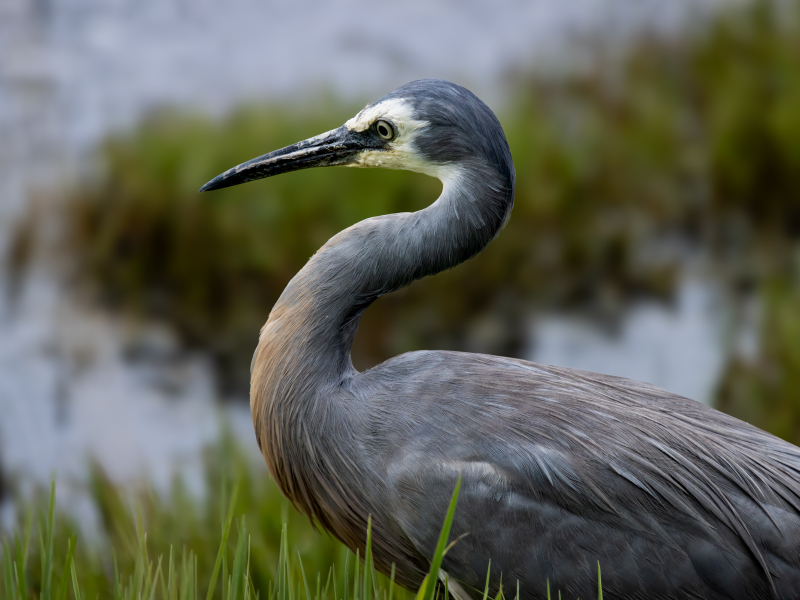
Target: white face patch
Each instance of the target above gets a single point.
(396, 110)
(401, 153)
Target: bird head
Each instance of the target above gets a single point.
(429, 126)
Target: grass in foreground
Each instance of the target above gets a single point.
(166, 551)
(178, 574)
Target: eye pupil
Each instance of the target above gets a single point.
(382, 129)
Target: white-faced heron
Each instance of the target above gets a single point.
(561, 469)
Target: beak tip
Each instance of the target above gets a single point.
(227, 179)
(210, 186)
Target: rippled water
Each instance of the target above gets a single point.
(73, 70)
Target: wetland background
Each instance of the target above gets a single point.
(655, 233)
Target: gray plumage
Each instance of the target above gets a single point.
(561, 469)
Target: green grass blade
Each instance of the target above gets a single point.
(76, 588)
(438, 555)
(47, 566)
(367, 560)
(8, 573)
(223, 491)
(346, 578)
(195, 578)
(304, 579)
(486, 589)
(117, 583)
(391, 584)
(229, 519)
(184, 575)
(239, 561)
(147, 579)
(282, 567)
(249, 589)
(21, 564)
(226, 579)
(161, 581)
(61, 594)
(331, 579)
(599, 583)
(288, 574)
(281, 559)
(356, 574)
(500, 595)
(155, 579)
(172, 585)
(423, 589)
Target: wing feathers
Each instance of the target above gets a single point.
(621, 462)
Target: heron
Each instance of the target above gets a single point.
(560, 469)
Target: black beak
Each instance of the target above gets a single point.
(337, 147)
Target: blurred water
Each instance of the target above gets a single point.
(681, 347)
(77, 385)
(73, 70)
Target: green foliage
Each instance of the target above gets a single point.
(248, 557)
(765, 390)
(694, 139)
(139, 560)
(752, 117)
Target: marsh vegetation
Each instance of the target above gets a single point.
(628, 170)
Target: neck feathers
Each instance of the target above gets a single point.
(304, 347)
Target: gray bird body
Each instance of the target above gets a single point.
(561, 469)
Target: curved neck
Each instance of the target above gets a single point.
(306, 342)
(303, 352)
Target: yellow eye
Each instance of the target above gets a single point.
(384, 129)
